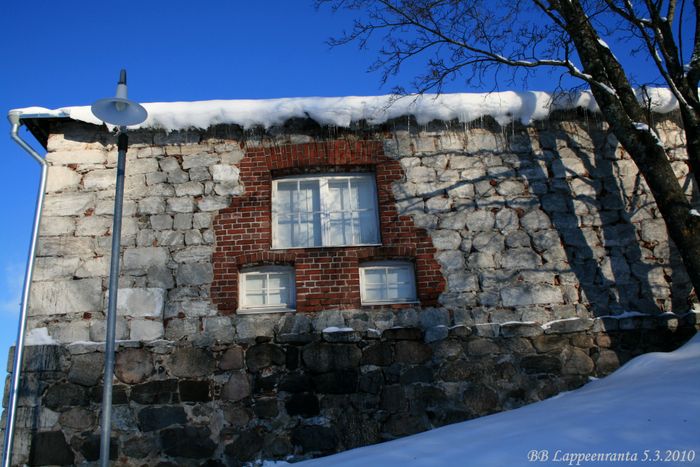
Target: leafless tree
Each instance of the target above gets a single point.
(475, 39)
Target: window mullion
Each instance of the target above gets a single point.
(324, 194)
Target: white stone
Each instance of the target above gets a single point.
(97, 330)
(199, 160)
(145, 330)
(479, 221)
(66, 246)
(61, 297)
(94, 267)
(72, 331)
(140, 302)
(420, 174)
(61, 178)
(181, 204)
(141, 166)
(50, 268)
(151, 205)
(446, 239)
(93, 226)
(102, 179)
(68, 204)
(85, 156)
(57, 225)
(213, 203)
(531, 294)
(224, 173)
(189, 189)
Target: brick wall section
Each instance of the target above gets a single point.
(326, 278)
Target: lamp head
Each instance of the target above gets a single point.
(119, 110)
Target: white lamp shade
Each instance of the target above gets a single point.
(119, 112)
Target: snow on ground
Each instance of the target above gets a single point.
(505, 107)
(650, 407)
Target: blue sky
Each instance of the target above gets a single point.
(57, 54)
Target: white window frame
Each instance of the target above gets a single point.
(325, 207)
(244, 308)
(386, 265)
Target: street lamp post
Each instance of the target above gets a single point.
(120, 112)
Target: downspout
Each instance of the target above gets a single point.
(14, 118)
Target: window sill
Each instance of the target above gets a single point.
(413, 302)
(359, 245)
(262, 311)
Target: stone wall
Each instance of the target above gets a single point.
(531, 236)
(291, 392)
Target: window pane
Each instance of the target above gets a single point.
(375, 276)
(374, 293)
(255, 299)
(388, 283)
(347, 214)
(368, 227)
(255, 282)
(268, 287)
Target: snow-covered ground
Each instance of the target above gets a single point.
(646, 413)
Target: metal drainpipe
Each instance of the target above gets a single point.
(14, 118)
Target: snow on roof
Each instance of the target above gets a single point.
(504, 107)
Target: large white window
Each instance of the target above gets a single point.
(326, 210)
(387, 282)
(266, 289)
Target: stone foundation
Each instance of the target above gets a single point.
(291, 391)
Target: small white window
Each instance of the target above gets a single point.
(266, 289)
(327, 210)
(387, 282)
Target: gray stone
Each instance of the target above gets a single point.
(144, 258)
(224, 173)
(412, 352)
(482, 346)
(232, 359)
(161, 222)
(577, 362)
(262, 356)
(77, 418)
(521, 329)
(100, 179)
(86, 369)
(193, 254)
(237, 387)
(219, 328)
(521, 259)
(569, 325)
(133, 366)
(189, 189)
(190, 362)
(323, 357)
(451, 260)
(194, 274)
(55, 268)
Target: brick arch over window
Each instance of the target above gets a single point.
(326, 277)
